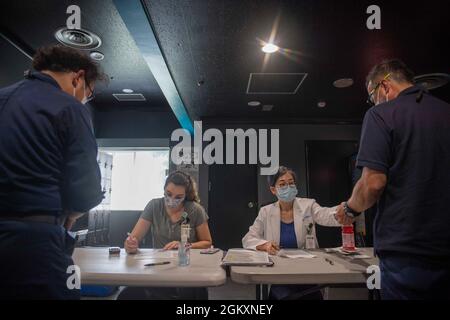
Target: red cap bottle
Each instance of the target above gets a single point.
(348, 238)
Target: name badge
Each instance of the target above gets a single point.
(310, 242)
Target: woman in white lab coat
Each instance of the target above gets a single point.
(288, 223)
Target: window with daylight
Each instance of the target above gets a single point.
(136, 176)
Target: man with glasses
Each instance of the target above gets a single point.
(405, 156)
(49, 173)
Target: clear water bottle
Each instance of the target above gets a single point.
(184, 249)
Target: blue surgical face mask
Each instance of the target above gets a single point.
(172, 202)
(287, 193)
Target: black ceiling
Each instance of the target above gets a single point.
(215, 42)
(211, 48)
(35, 22)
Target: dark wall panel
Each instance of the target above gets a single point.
(133, 124)
(292, 151)
(12, 64)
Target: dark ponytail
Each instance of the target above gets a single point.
(180, 178)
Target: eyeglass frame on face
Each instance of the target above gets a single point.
(92, 95)
(372, 92)
(286, 184)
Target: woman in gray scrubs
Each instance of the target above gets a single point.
(165, 216)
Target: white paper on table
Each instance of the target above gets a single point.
(294, 254)
(353, 255)
(246, 257)
(159, 254)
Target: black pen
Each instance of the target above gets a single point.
(156, 263)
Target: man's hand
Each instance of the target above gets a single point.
(171, 245)
(271, 247)
(71, 219)
(341, 217)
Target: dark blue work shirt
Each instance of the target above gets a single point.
(48, 153)
(408, 139)
(288, 238)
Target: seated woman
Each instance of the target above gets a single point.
(164, 216)
(286, 224)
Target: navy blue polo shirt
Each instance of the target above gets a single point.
(408, 139)
(48, 152)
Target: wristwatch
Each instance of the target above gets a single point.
(349, 212)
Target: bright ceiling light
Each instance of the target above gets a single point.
(270, 48)
(97, 55)
(254, 103)
(343, 83)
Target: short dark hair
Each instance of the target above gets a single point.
(58, 58)
(281, 172)
(180, 178)
(397, 68)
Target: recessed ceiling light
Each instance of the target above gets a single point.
(78, 38)
(254, 103)
(127, 90)
(343, 83)
(321, 104)
(97, 55)
(433, 80)
(270, 48)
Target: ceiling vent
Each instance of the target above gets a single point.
(78, 38)
(432, 80)
(129, 96)
(267, 107)
(275, 83)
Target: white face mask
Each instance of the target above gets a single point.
(85, 99)
(378, 98)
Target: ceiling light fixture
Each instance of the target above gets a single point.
(254, 104)
(343, 83)
(97, 55)
(267, 107)
(127, 91)
(270, 48)
(432, 80)
(78, 38)
(321, 104)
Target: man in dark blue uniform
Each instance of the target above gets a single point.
(49, 174)
(405, 156)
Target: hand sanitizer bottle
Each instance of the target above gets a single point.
(184, 253)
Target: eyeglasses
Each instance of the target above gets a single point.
(91, 96)
(372, 93)
(284, 185)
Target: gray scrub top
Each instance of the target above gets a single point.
(163, 230)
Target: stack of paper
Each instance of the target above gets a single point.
(243, 257)
(156, 254)
(294, 253)
(353, 254)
